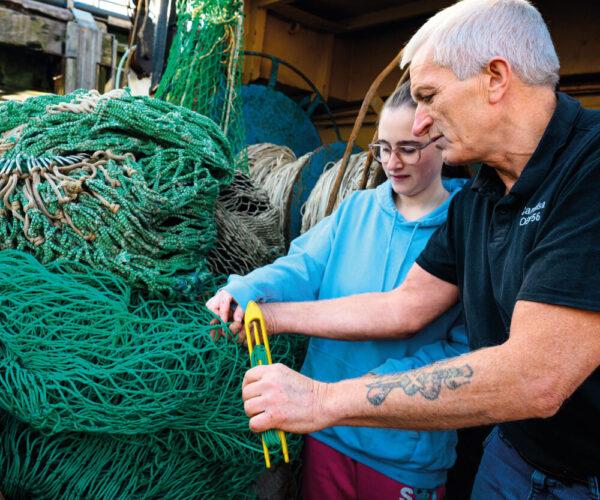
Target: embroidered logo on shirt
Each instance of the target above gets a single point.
(532, 214)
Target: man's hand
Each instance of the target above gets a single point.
(277, 397)
(221, 305)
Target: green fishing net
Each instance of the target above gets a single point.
(122, 183)
(203, 71)
(111, 385)
(119, 217)
(103, 391)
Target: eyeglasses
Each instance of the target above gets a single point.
(409, 155)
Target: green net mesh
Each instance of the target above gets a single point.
(140, 202)
(82, 466)
(116, 213)
(103, 391)
(203, 70)
(110, 383)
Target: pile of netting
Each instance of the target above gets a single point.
(107, 395)
(203, 71)
(249, 233)
(111, 385)
(121, 183)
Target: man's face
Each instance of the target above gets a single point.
(452, 110)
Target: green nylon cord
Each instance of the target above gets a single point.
(94, 369)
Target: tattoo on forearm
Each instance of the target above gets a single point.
(427, 383)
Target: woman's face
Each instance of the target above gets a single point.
(395, 131)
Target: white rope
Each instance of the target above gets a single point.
(9, 138)
(275, 168)
(316, 205)
(84, 103)
(265, 157)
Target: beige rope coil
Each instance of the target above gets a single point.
(265, 157)
(9, 138)
(316, 206)
(275, 169)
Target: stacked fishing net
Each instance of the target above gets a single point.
(203, 71)
(121, 183)
(111, 385)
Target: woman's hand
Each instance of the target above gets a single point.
(221, 304)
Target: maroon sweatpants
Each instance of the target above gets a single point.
(328, 474)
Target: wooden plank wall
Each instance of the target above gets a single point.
(342, 59)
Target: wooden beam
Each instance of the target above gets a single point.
(108, 42)
(41, 8)
(307, 19)
(254, 28)
(70, 80)
(34, 32)
(118, 22)
(270, 3)
(404, 11)
(324, 71)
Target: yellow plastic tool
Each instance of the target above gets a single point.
(254, 318)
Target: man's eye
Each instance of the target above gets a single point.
(427, 98)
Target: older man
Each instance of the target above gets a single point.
(521, 249)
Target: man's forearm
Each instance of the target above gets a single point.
(396, 314)
(477, 388)
(550, 352)
(449, 394)
(547, 356)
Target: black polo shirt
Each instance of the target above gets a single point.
(541, 243)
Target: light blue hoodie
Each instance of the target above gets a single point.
(366, 245)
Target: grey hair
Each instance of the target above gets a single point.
(400, 97)
(467, 35)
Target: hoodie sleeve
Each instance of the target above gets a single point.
(455, 344)
(294, 277)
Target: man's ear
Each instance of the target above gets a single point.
(499, 74)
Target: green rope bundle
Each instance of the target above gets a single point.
(139, 204)
(123, 397)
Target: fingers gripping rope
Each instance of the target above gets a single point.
(261, 355)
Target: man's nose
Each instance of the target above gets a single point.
(423, 121)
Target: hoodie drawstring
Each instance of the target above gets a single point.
(387, 253)
(389, 245)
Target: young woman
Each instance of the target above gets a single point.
(368, 245)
